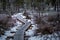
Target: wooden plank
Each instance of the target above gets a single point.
(20, 33)
(21, 19)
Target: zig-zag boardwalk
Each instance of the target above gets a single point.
(20, 33)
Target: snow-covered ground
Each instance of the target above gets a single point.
(8, 33)
(18, 24)
(53, 36)
(31, 32)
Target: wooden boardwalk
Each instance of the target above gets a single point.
(21, 19)
(20, 33)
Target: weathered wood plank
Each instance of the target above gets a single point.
(21, 19)
(20, 33)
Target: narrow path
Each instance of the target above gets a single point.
(20, 33)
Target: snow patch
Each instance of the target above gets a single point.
(31, 32)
